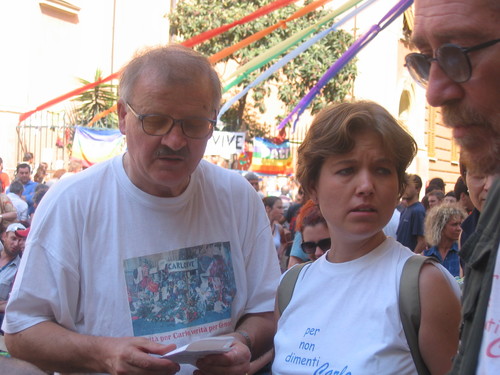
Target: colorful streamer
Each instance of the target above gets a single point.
(200, 38)
(290, 56)
(261, 34)
(102, 114)
(242, 72)
(189, 43)
(393, 14)
(24, 116)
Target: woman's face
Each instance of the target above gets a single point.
(452, 229)
(357, 191)
(478, 185)
(315, 233)
(275, 213)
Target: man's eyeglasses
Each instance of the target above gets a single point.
(453, 59)
(310, 247)
(192, 127)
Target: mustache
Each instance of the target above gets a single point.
(167, 151)
(458, 114)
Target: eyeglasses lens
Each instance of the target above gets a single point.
(454, 62)
(196, 127)
(310, 247)
(419, 67)
(193, 127)
(157, 125)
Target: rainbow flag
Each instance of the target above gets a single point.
(92, 146)
(271, 158)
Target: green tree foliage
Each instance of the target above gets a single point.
(193, 17)
(95, 101)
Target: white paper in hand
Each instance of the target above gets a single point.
(190, 353)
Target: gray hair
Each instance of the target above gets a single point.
(172, 64)
(16, 187)
(437, 218)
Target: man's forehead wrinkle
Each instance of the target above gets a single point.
(447, 21)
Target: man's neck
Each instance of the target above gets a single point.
(5, 258)
(413, 201)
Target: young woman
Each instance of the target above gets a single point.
(343, 317)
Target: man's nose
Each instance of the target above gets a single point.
(441, 89)
(175, 138)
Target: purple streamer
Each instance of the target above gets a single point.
(393, 14)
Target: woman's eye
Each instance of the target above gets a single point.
(345, 171)
(384, 171)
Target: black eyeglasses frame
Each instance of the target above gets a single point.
(423, 81)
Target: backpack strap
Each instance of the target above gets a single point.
(287, 285)
(409, 306)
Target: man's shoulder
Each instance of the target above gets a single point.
(416, 207)
(220, 176)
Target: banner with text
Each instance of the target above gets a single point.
(270, 158)
(225, 144)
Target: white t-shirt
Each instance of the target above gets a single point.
(20, 205)
(105, 258)
(392, 226)
(343, 318)
(489, 355)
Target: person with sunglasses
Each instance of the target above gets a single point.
(343, 316)
(315, 236)
(152, 249)
(457, 62)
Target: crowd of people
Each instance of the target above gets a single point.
(157, 248)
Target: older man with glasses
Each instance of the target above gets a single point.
(459, 65)
(152, 248)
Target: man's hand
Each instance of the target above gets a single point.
(54, 348)
(234, 362)
(131, 355)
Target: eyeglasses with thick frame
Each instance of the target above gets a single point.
(309, 247)
(160, 125)
(452, 59)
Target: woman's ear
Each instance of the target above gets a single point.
(313, 194)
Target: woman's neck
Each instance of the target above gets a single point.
(347, 249)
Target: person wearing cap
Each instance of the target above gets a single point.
(10, 256)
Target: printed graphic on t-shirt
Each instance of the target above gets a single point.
(304, 355)
(176, 294)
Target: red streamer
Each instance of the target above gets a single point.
(219, 30)
(188, 43)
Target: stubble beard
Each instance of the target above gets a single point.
(481, 144)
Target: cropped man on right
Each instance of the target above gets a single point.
(459, 65)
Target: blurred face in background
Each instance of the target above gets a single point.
(23, 174)
(479, 185)
(275, 213)
(452, 229)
